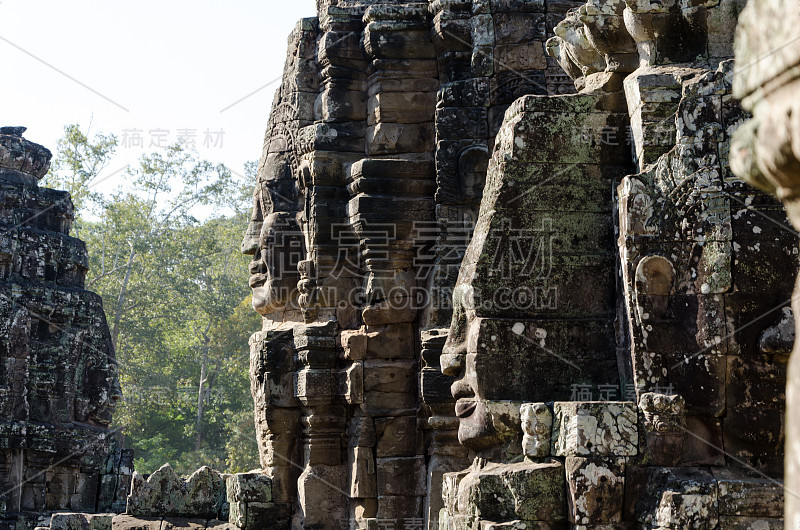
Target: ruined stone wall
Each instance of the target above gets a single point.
(373, 168)
(483, 292)
(58, 382)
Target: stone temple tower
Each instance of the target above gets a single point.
(58, 381)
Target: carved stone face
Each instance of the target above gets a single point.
(472, 164)
(96, 380)
(459, 355)
(273, 237)
(104, 392)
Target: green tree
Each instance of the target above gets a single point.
(164, 255)
(77, 163)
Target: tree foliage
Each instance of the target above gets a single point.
(164, 255)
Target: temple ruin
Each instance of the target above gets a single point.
(58, 385)
(508, 279)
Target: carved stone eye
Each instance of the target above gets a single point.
(267, 204)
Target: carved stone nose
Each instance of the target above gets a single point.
(461, 389)
(258, 266)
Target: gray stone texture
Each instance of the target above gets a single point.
(491, 233)
(507, 277)
(59, 385)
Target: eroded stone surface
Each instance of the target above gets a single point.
(672, 497)
(662, 420)
(373, 167)
(410, 116)
(527, 491)
(595, 489)
(592, 428)
(59, 383)
(165, 494)
(537, 424)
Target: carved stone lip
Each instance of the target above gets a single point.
(465, 408)
(257, 280)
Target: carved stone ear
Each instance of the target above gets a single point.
(655, 276)
(655, 281)
(472, 165)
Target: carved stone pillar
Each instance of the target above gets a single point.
(391, 195)
(277, 410)
(322, 484)
(446, 455)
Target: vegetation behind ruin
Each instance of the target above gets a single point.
(164, 254)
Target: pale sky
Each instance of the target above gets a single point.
(166, 68)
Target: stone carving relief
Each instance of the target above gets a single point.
(59, 386)
(506, 275)
(374, 164)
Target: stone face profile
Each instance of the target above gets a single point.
(511, 274)
(273, 238)
(516, 302)
(59, 384)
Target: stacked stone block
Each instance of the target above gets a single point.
(58, 385)
(553, 305)
(586, 472)
(417, 143)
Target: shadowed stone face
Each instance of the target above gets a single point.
(458, 359)
(525, 326)
(273, 237)
(486, 415)
(102, 390)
